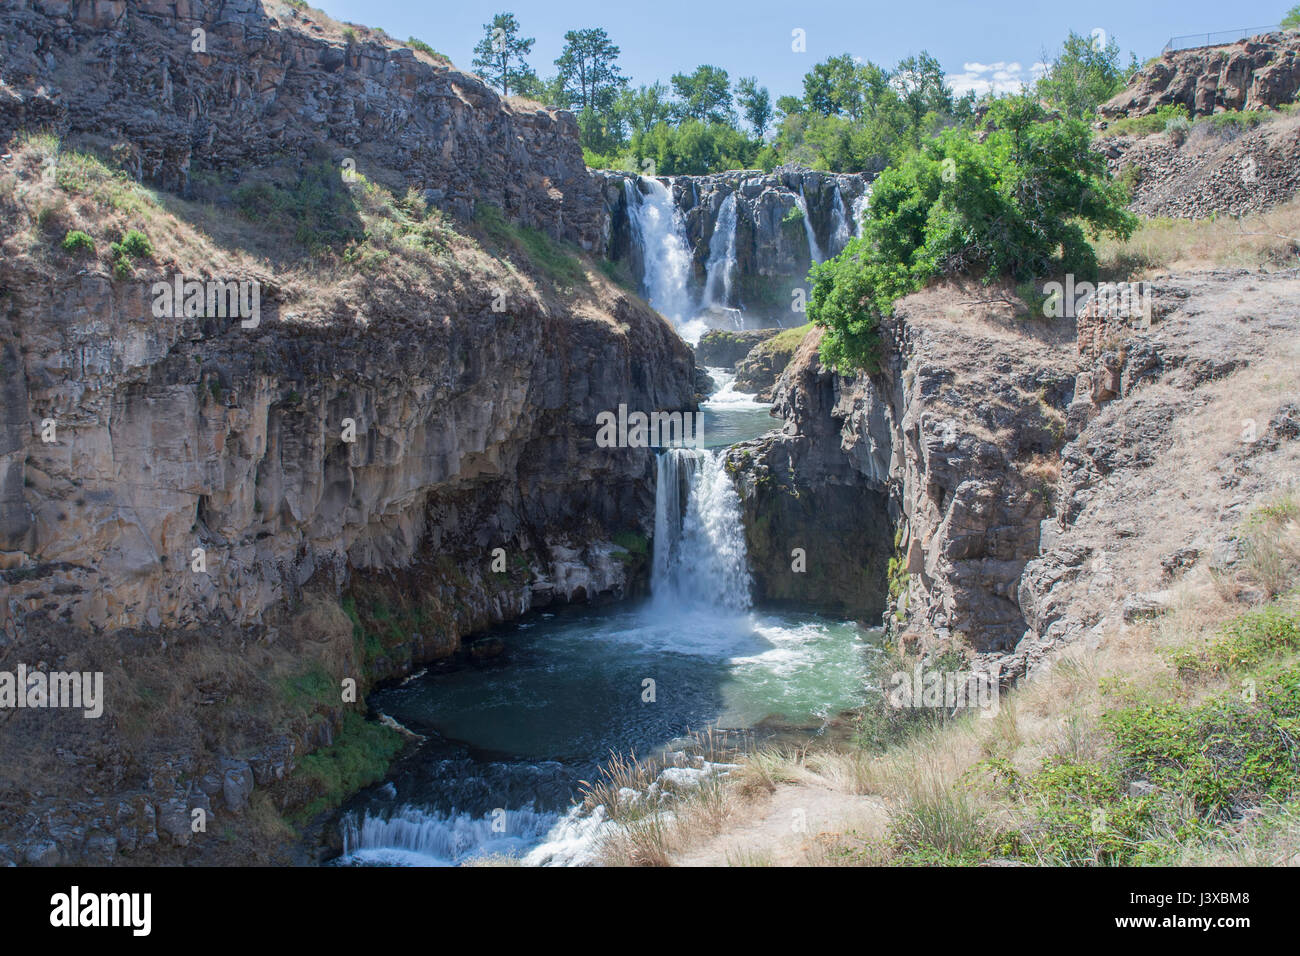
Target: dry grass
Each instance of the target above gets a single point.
(1267, 240)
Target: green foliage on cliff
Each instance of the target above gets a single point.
(316, 210)
(359, 756)
(1015, 203)
(77, 241)
(1156, 122)
(545, 254)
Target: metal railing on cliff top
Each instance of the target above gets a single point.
(1193, 40)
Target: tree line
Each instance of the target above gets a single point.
(852, 115)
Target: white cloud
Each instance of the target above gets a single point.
(998, 78)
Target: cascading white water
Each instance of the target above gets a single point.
(860, 210)
(664, 250)
(722, 255)
(814, 249)
(700, 556)
(840, 233)
(414, 836)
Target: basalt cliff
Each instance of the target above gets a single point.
(233, 517)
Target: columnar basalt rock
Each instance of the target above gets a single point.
(253, 87)
(951, 439)
(1257, 73)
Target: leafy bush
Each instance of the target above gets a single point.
(1246, 642)
(1165, 117)
(1225, 755)
(1014, 204)
(135, 245)
(694, 148)
(76, 242)
(417, 44)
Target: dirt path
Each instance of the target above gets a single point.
(789, 828)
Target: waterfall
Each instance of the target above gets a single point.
(666, 255)
(722, 254)
(860, 210)
(840, 234)
(417, 836)
(814, 250)
(700, 555)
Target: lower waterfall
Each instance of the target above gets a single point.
(699, 551)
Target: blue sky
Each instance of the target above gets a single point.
(982, 44)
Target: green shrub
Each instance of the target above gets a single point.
(1246, 642)
(416, 44)
(1165, 117)
(1235, 120)
(134, 245)
(1012, 204)
(1224, 755)
(76, 242)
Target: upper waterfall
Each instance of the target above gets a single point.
(840, 231)
(722, 256)
(814, 250)
(666, 255)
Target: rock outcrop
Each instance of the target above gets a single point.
(1033, 482)
(951, 442)
(1261, 72)
(1204, 171)
(226, 86)
(760, 368)
(722, 348)
(1178, 432)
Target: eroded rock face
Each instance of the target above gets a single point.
(1178, 430)
(127, 77)
(815, 487)
(1208, 172)
(945, 446)
(762, 366)
(470, 433)
(1257, 73)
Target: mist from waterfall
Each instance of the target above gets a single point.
(665, 253)
(722, 255)
(814, 250)
(700, 555)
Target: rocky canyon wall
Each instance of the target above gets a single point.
(227, 86)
